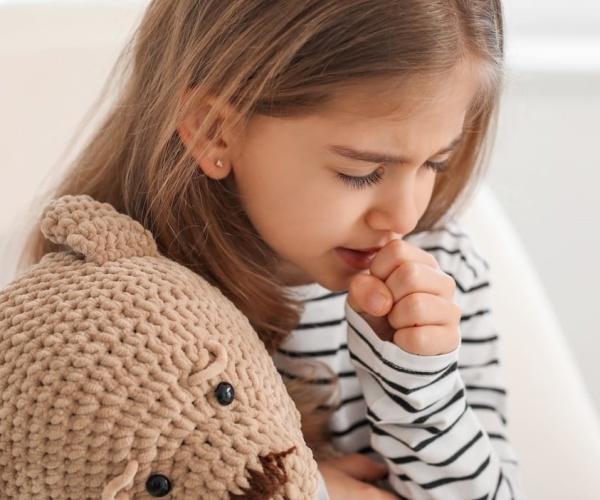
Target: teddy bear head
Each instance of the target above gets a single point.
(125, 375)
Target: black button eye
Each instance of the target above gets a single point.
(158, 485)
(225, 393)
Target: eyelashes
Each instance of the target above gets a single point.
(439, 166)
(375, 177)
(362, 181)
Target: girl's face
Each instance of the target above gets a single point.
(327, 191)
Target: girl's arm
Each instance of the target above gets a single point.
(438, 420)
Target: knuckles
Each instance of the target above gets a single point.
(397, 249)
(410, 274)
(450, 284)
(416, 306)
(456, 313)
(402, 251)
(405, 270)
(427, 341)
(417, 342)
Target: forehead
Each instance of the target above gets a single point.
(399, 98)
(415, 118)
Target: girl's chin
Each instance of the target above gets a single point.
(292, 275)
(335, 277)
(339, 282)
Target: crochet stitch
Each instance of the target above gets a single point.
(125, 375)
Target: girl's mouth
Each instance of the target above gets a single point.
(356, 259)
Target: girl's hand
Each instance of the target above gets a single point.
(349, 478)
(408, 300)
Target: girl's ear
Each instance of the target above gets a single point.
(210, 150)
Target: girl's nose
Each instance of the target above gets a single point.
(396, 211)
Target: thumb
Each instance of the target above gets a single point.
(367, 294)
(360, 467)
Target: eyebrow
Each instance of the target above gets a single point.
(382, 158)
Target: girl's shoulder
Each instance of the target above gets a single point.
(456, 252)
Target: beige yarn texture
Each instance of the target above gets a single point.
(110, 359)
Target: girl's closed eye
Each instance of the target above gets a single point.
(374, 177)
(437, 166)
(362, 181)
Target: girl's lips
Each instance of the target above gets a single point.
(356, 259)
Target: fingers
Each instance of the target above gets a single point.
(369, 295)
(425, 324)
(372, 299)
(397, 270)
(409, 300)
(350, 477)
(427, 340)
(395, 253)
(416, 277)
(359, 467)
(423, 309)
(341, 486)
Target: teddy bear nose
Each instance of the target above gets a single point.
(158, 485)
(270, 480)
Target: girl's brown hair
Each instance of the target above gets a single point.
(273, 57)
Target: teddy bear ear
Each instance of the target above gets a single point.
(95, 230)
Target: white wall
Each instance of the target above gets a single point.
(53, 65)
(555, 18)
(545, 171)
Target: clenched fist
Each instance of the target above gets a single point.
(407, 299)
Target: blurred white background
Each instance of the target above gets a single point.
(546, 167)
(545, 170)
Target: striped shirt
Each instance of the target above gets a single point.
(437, 421)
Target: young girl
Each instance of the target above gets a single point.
(306, 156)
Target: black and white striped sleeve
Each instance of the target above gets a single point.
(439, 421)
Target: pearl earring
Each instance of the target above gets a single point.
(219, 163)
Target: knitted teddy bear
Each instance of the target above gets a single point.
(124, 375)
